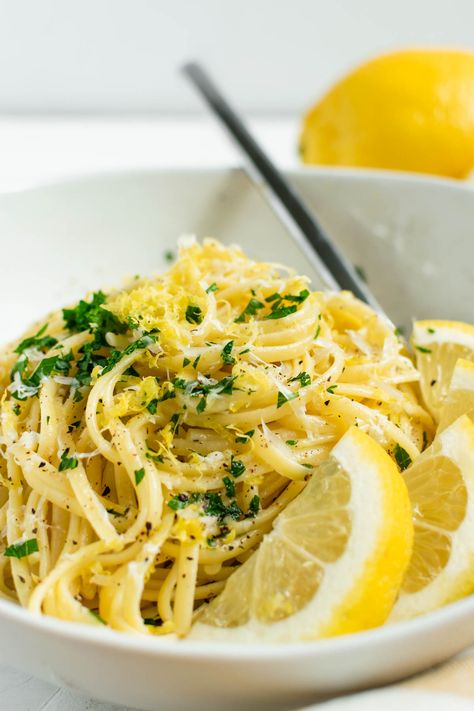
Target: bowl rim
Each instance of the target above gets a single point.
(257, 652)
(313, 171)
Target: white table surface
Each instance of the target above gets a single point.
(37, 150)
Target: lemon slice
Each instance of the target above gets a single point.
(438, 345)
(460, 397)
(441, 487)
(334, 561)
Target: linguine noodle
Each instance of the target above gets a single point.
(150, 436)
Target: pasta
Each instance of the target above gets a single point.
(150, 436)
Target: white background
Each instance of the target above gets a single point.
(271, 55)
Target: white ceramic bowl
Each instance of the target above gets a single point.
(414, 239)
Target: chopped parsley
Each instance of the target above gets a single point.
(154, 456)
(318, 331)
(243, 439)
(304, 379)
(291, 442)
(226, 353)
(282, 398)
(299, 298)
(38, 341)
(45, 368)
(114, 513)
(90, 316)
(237, 467)
(180, 501)
(29, 387)
(331, 389)
(422, 349)
(254, 506)
(214, 506)
(212, 288)
(402, 457)
(67, 462)
(16, 409)
(96, 615)
(196, 361)
(174, 420)
(399, 331)
(152, 405)
(153, 621)
(273, 297)
(169, 255)
(431, 330)
(186, 361)
(116, 356)
(22, 549)
(205, 386)
(282, 312)
(229, 487)
(139, 474)
(201, 406)
(193, 314)
(250, 310)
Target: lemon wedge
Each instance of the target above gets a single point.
(441, 487)
(460, 397)
(334, 561)
(438, 345)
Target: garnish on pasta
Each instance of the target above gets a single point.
(151, 435)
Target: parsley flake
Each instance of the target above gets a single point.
(422, 349)
(243, 439)
(237, 467)
(193, 314)
(212, 288)
(139, 474)
(152, 405)
(402, 457)
(201, 406)
(304, 379)
(229, 487)
(254, 506)
(22, 549)
(250, 310)
(67, 462)
(282, 312)
(96, 615)
(282, 398)
(226, 353)
(38, 341)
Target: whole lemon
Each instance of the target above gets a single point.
(410, 110)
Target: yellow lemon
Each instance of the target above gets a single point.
(441, 487)
(334, 561)
(438, 345)
(460, 397)
(411, 110)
